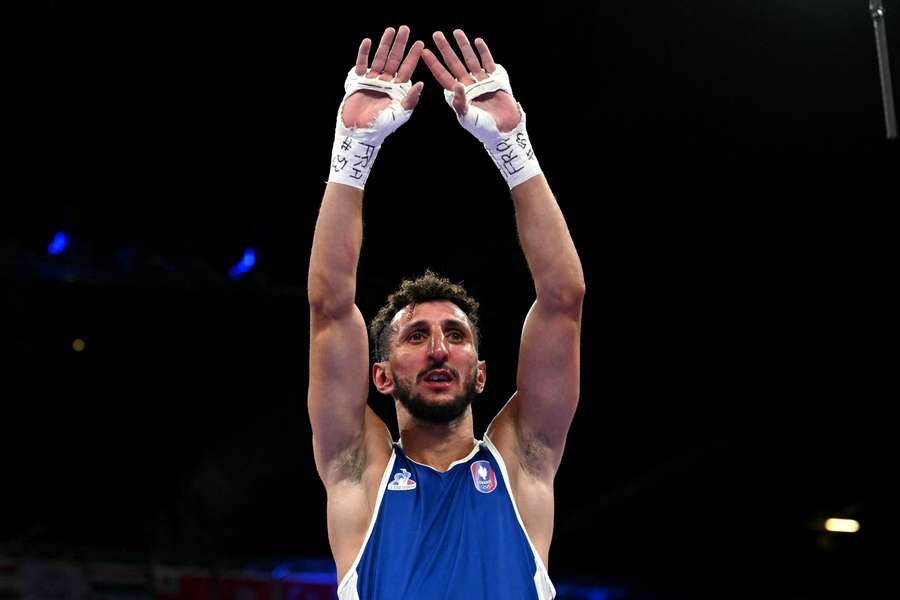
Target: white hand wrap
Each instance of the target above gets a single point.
(355, 149)
(511, 150)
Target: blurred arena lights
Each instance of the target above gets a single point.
(244, 265)
(842, 525)
(287, 572)
(591, 592)
(59, 243)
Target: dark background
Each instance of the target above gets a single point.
(724, 172)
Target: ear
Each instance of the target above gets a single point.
(480, 376)
(382, 378)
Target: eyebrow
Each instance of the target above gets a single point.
(445, 323)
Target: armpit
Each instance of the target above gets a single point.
(349, 464)
(534, 456)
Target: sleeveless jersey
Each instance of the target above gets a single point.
(454, 535)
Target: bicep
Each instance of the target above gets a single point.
(548, 374)
(338, 387)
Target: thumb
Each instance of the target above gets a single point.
(459, 99)
(412, 97)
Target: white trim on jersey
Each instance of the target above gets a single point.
(542, 583)
(453, 464)
(345, 590)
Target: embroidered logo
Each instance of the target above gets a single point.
(402, 481)
(483, 476)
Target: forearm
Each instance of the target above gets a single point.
(547, 244)
(335, 251)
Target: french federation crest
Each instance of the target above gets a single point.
(483, 476)
(402, 481)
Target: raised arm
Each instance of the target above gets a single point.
(534, 424)
(548, 373)
(377, 100)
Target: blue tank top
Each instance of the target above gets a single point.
(454, 535)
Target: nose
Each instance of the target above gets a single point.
(437, 351)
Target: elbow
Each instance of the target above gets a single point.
(324, 310)
(567, 297)
(578, 289)
(330, 299)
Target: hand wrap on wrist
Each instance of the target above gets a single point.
(355, 149)
(510, 150)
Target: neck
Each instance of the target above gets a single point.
(437, 445)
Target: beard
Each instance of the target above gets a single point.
(430, 412)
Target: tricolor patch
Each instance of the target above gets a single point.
(483, 476)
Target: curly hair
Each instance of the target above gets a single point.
(425, 288)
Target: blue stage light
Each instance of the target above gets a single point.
(59, 243)
(299, 573)
(245, 264)
(249, 258)
(281, 572)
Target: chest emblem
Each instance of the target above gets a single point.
(483, 476)
(402, 481)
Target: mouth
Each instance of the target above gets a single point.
(438, 379)
(438, 385)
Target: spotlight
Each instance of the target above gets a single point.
(59, 243)
(245, 264)
(842, 525)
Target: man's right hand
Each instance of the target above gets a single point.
(376, 102)
(362, 108)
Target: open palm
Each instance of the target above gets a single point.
(362, 108)
(501, 106)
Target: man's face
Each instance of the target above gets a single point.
(433, 361)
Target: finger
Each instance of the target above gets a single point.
(362, 57)
(453, 63)
(437, 69)
(486, 59)
(397, 50)
(381, 54)
(459, 99)
(468, 54)
(409, 65)
(412, 98)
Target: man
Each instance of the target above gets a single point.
(438, 514)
